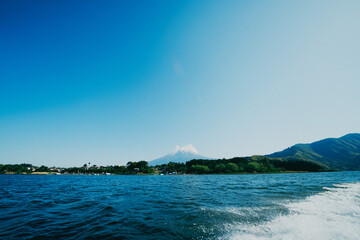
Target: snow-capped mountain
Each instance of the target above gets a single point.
(179, 155)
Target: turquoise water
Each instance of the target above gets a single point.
(272, 206)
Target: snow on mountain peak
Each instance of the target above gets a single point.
(180, 155)
(188, 148)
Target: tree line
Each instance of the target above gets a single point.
(22, 168)
(254, 164)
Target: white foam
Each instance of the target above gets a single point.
(333, 214)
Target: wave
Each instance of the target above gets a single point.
(332, 214)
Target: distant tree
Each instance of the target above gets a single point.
(219, 168)
(199, 169)
(241, 167)
(130, 166)
(141, 166)
(119, 169)
(42, 169)
(232, 167)
(252, 167)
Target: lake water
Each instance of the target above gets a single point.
(273, 206)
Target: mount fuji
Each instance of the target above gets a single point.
(179, 155)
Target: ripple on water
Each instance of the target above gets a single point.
(276, 206)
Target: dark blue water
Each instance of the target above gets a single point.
(273, 206)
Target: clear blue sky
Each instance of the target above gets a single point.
(109, 82)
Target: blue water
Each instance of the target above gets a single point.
(272, 206)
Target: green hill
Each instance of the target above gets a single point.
(337, 153)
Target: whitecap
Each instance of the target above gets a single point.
(333, 214)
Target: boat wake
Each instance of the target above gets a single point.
(332, 214)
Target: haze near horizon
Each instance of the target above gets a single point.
(115, 81)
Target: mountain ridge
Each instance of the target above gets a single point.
(179, 155)
(337, 153)
(341, 153)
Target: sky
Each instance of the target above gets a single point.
(109, 82)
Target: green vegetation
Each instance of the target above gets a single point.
(332, 153)
(255, 164)
(131, 168)
(16, 168)
(335, 153)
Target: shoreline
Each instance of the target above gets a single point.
(107, 174)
